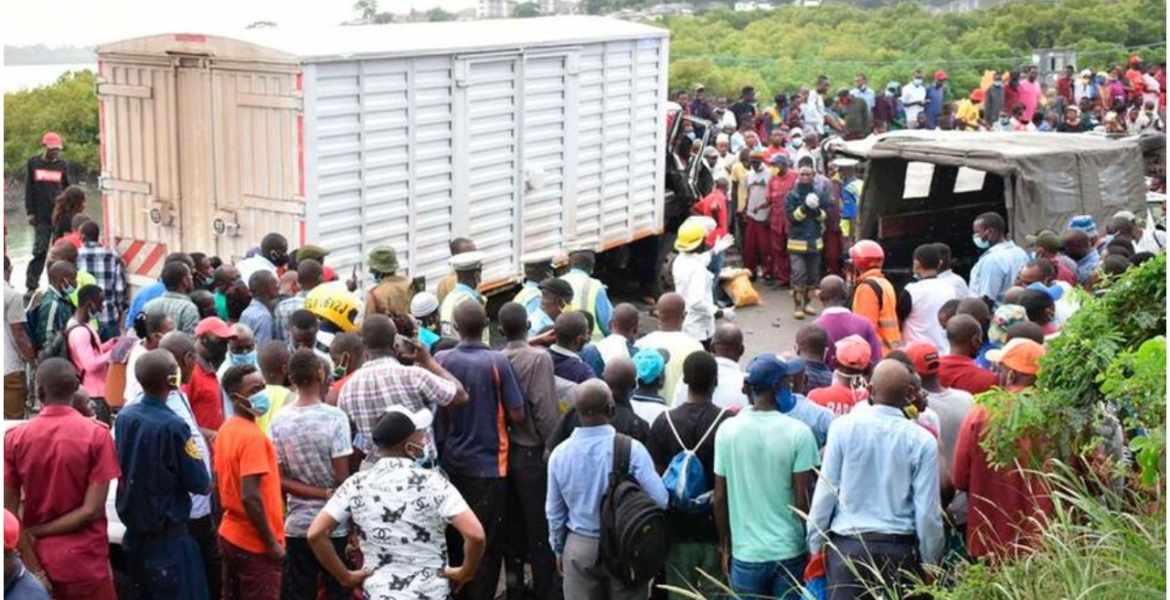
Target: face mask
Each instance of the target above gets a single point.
(260, 403)
(216, 349)
(339, 372)
(785, 401)
(1005, 120)
(980, 243)
(997, 83)
(68, 290)
(426, 456)
(248, 358)
(917, 81)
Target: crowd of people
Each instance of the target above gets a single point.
(275, 432)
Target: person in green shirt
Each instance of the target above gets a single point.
(222, 279)
(764, 463)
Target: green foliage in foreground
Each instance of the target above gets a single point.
(68, 107)
(1107, 353)
(788, 47)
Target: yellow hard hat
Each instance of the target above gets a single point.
(336, 305)
(690, 235)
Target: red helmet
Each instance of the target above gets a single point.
(866, 255)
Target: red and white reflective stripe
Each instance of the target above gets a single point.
(141, 257)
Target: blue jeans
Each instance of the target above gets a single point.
(781, 579)
(715, 267)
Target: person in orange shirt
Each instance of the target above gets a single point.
(873, 294)
(251, 535)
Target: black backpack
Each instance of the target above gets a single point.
(57, 345)
(634, 543)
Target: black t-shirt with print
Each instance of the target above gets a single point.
(691, 421)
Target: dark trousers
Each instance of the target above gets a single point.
(164, 567)
(488, 499)
(303, 574)
(528, 527)
(781, 262)
(202, 530)
(40, 251)
(833, 248)
(871, 566)
(757, 251)
(247, 575)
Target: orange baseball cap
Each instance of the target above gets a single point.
(1020, 355)
(925, 357)
(853, 352)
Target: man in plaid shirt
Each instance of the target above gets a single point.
(106, 267)
(383, 382)
(309, 276)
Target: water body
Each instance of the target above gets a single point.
(18, 244)
(26, 77)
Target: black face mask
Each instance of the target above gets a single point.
(216, 350)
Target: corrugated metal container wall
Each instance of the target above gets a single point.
(139, 156)
(520, 151)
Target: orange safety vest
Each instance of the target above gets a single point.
(881, 312)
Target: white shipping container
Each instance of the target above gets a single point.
(520, 134)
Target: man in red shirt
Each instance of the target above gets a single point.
(714, 205)
(781, 183)
(1047, 245)
(958, 369)
(58, 467)
(1005, 505)
(849, 379)
(211, 345)
(1064, 85)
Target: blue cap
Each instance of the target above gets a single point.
(1085, 223)
(1054, 291)
(649, 362)
(766, 371)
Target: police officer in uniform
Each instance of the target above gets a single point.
(391, 296)
(589, 294)
(468, 269)
(537, 267)
(161, 464)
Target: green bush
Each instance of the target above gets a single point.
(783, 49)
(68, 107)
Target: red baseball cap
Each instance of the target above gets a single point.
(52, 140)
(853, 352)
(940, 75)
(214, 326)
(925, 357)
(11, 530)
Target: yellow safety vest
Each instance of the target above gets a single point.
(585, 290)
(527, 294)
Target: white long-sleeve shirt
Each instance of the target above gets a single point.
(696, 283)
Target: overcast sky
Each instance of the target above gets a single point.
(89, 22)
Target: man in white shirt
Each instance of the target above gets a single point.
(925, 296)
(728, 346)
(946, 274)
(914, 99)
(813, 114)
(694, 280)
(273, 254)
(18, 350)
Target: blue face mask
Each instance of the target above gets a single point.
(426, 459)
(260, 403)
(785, 401)
(980, 243)
(248, 358)
(69, 290)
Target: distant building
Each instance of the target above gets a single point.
(558, 7)
(751, 5)
(495, 9)
(965, 6)
(807, 3)
(1051, 61)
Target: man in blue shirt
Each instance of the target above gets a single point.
(1078, 245)
(264, 287)
(878, 495)
(473, 439)
(996, 270)
(936, 99)
(161, 464)
(578, 473)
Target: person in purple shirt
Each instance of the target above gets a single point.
(473, 439)
(839, 323)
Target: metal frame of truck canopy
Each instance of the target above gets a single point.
(1048, 178)
(293, 81)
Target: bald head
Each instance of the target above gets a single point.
(891, 383)
(728, 341)
(153, 371)
(965, 335)
(63, 250)
(61, 273)
(671, 309)
(976, 308)
(56, 381)
(178, 343)
(592, 400)
(624, 321)
(833, 291)
(621, 377)
(470, 320)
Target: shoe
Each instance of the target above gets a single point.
(808, 298)
(798, 300)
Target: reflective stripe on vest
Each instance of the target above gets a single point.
(527, 294)
(585, 287)
(887, 325)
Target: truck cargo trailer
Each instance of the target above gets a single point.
(521, 134)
